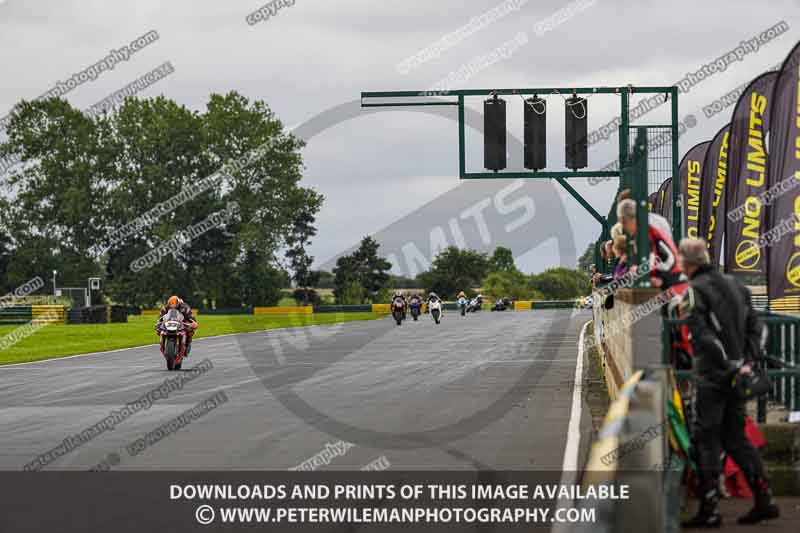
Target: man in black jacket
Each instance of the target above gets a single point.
(727, 337)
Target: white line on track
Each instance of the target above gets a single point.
(574, 429)
(569, 469)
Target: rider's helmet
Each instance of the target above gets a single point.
(397, 294)
(173, 302)
(461, 294)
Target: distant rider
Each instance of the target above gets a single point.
(433, 297)
(399, 296)
(185, 309)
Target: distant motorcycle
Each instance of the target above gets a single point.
(475, 304)
(435, 308)
(398, 311)
(173, 329)
(462, 305)
(416, 306)
(502, 304)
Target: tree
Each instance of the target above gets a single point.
(454, 270)
(324, 279)
(5, 258)
(299, 237)
(509, 284)
(363, 267)
(402, 282)
(85, 177)
(560, 283)
(502, 260)
(351, 294)
(586, 260)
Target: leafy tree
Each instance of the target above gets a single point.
(401, 282)
(300, 236)
(86, 176)
(586, 260)
(453, 270)
(509, 284)
(258, 283)
(352, 293)
(560, 283)
(6, 253)
(502, 260)
(363, 267)
(324, 279)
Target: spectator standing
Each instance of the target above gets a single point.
(727, 337)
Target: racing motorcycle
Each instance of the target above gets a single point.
(173, 329)
(415, 305)
(435, 308)
(475, 304)
(502, 304)
(462, 304)
(398, 311)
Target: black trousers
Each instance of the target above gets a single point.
(719, 419)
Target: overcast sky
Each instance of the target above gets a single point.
(390, 167)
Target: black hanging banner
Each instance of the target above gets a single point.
(691, 173)
(783, 255)
(712, 202)
(746, 180)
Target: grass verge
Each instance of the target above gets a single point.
(53, 341)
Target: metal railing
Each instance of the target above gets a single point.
(783, 349)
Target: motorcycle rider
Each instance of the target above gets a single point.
(475, 303)
(433, 297)
(185, 309)
(415, 299)
(399, 296)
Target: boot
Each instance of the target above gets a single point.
(708, 516)
(765, 508)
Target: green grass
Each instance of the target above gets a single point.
(61, 340)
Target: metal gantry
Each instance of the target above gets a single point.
(632, 159)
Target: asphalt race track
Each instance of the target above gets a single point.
(487, 391)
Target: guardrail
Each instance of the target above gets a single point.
(41, 314)
(14, 315)
(783, 345)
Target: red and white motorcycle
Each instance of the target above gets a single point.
(173, 330)
(398, 310)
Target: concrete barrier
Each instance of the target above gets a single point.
(630, 447)
(622, 351)
(523, 306)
